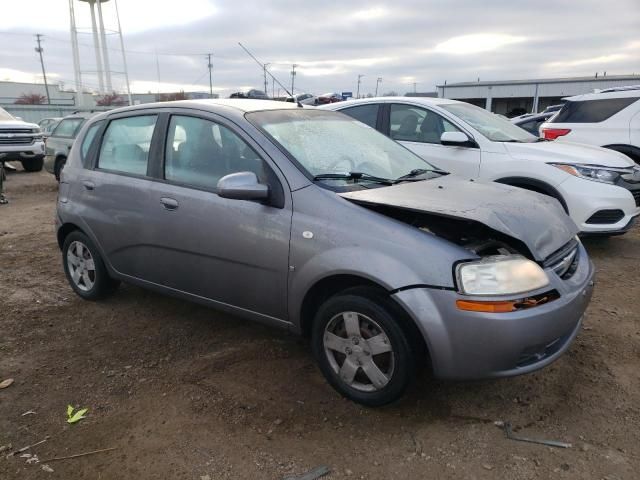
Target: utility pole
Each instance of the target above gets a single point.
(358, 91)
(414, 87)
(378, 82)
(264, 71)
(44, 74)
(293, 77)
(210, 66)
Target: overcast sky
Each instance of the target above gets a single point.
(403, 41)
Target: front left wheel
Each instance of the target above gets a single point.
(85, 269)
(32, 164)
(361, 348)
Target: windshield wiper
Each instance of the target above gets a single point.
(353, 176)
(418, 172)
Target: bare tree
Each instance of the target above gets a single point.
(31, 99)
(111, 100)
(169, 97)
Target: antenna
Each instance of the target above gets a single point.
(267, 71)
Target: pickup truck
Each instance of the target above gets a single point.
(21, 141)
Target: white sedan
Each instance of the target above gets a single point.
(597, 187)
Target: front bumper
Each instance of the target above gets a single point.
(585, 198)
(471, 345)
(19, 152)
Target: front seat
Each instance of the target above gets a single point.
(431, 129)
(407, 130)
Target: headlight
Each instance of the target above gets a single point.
(589, 173)
(500, 275)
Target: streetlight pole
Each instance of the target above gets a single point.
(378, 81)
(358, 90)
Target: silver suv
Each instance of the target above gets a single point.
(311, 221)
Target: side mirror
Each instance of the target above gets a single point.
(457, 139)
(242, 186)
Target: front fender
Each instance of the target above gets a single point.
(377, 267)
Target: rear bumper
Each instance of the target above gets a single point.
(472, 345)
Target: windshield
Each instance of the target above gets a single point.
(324, 142)
(4, 115)
(489, 124)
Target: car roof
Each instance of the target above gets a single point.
(411, 100)
(604, 95)
(245, 105)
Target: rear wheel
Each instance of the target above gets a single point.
(32, 164)
(361, 348)
(85, 269)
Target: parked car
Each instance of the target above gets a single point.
(60, 141)
(303, 98)
(531, 122)
(253, 93)
(329, 98)
(302, 219)
(610, 119)
(47, 125)
(21, 141)
(598, 188)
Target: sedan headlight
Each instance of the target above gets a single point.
(596, 174)
(500, 275)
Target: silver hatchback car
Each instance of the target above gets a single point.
(314, 222)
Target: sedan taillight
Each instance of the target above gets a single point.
(553, 133)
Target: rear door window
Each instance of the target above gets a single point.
(592, 111)
(126, 143)
(68, 127)
(364, 113)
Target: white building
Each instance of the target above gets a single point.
(509, 97)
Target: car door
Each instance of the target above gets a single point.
(233, 252)
(114, 192)
(420, 129)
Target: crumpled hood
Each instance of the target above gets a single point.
(568, 152)
(16, 124)
(536, 220)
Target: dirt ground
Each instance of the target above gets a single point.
(181, 391)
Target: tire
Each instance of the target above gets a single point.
(58, 166)
(32, 164)
(79, 255)
(348, 362)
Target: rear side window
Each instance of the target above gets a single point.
(592, 111)
(88, 140)
(68, 127)
(364, 113)
(126, 143)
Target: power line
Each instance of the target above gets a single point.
(261, 65)
(44, 74)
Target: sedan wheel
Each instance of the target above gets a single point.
(359, 351)
(81, 266)
(361, 346)
(85, 269)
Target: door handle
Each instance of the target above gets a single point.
(89, 185)
(169, 203)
